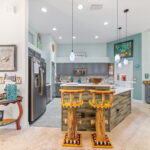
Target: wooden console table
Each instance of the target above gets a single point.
(6, 102)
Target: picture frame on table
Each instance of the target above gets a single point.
(8, 58)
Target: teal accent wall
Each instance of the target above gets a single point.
(137, 61)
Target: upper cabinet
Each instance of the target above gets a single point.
(93, 69)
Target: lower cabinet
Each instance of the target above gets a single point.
(48, 93)
(120, 110)
(147, 93)
(57, 88)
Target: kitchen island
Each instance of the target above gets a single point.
(115, 115)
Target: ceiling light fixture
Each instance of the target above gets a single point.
(54, 29)
(117, 56)
(80, 6)
(126, 62)
(44, 9)
(106, 23)
(96, 37)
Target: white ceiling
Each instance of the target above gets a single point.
(88, 23)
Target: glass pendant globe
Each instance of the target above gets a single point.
(117, 58)
(120, 65)
(72, 56)
(126, 62)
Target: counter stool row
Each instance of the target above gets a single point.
(73, 99)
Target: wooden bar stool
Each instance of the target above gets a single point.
(101, 100)
(72, 99)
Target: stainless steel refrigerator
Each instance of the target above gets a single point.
(37, 87)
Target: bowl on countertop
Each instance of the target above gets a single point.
(95, 80)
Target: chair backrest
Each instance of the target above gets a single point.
(101, 99)
(71, 98)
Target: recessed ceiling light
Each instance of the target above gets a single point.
(54, 29)
(74, 37)
(80, 6)
(44, 9)
(60, 37)
(96, 37)
(106, 23)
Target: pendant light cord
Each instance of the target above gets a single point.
(72, 24)
(126, 26)
(117, 19)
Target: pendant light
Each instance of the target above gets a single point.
(126, 62)
(117, 56)
(72, 54)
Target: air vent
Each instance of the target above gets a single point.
(96, 6)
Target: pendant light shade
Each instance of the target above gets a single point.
(120, 65)
(126, 62)
(117, 58)
(72, 54)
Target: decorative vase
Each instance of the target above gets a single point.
(11, 91)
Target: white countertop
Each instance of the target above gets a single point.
(117, 90)
(87, 85)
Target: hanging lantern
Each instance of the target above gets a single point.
(125, 62)
(72, 56)
(120, 65)
(117, 58)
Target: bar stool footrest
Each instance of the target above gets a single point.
(72, 143)
(100, 144)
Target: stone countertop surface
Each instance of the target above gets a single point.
(86, 85)
(117, 90)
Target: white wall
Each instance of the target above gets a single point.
(145, 57)
(13, 30)
(92, 50)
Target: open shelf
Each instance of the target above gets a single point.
(7, 122)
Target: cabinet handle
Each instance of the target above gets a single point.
(117, 110)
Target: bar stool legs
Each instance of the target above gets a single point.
(72, 138)
(72, 123)
(100, 139)
(100, 125)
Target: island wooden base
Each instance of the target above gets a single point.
(77, 142)
(120, 110)
(100, 144)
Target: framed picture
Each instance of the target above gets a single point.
(124, 49)
(8, 58)
(1, 115)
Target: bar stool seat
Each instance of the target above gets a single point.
(101, 100)
(72, 99)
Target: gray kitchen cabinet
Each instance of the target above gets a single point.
(57, 88)
(147, 93)
(48, 93)
(93, 69)
(64, 69)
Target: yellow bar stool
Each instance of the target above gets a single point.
(72, 99)
(101, 100)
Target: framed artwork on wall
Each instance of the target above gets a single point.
(8, 58)
(124, 49)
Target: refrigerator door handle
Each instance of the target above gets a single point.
(42, 81)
